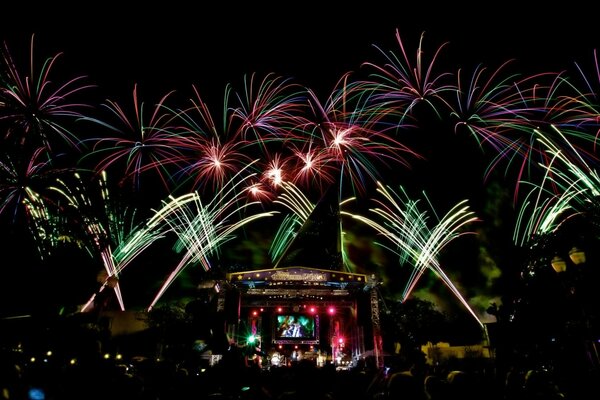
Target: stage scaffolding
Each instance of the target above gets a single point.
(253, 299)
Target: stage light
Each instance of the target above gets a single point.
(312, 309)
(331, 310)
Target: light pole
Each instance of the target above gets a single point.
(577, 283)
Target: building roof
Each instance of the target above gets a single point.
(318, 243)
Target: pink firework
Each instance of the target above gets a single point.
(35, 109)
(398, 85)
(212, 153)
(142, 143)
(352, 141)
(268, 108)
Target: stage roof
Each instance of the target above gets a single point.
(297, 277)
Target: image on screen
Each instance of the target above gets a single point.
(295, 326)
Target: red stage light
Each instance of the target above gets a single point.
(331, 310)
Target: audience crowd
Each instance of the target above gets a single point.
(93, 376)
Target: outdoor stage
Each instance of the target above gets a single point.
(293, 313)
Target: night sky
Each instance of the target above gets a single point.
(175, 46)
(166, 48)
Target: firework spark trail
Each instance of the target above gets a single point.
(293, 199)
(98, 233)
(301, 207)
(491, 109)
(46, 225)
(415, 233)
(398, 86)
(129, 247)
(568, 184)
(212, 153)
(117, 243)
(311, 164)
(256, 121)
(202, 229)
(22, 176)
(307, 143)
(406, 227)
(269, 109)
(141, 144)
(501, 111)
(33, 107)
(284, 235)
(344, 134)
(583, 105)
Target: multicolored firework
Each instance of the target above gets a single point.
(144, 143)
(277, 143)
(398, 85)
(34, 111)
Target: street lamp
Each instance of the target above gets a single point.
(559, 264)
(578, 296)
(577, 255)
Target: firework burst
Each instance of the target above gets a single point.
(33, 109)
